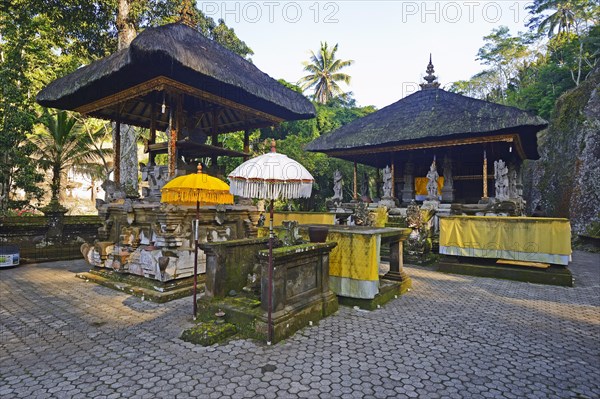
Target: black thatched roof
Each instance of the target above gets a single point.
(182, 54)
(432, 115)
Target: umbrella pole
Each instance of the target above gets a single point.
(197, 225)
(270, 283)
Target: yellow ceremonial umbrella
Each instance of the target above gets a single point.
(195, 189)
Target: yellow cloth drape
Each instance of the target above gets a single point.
(522, 234)
(356, 256)
(421, 185)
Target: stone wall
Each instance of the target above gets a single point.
(29, 234)
(565, 181)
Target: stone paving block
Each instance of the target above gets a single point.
(450, 337)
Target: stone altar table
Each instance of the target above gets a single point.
(354, 263)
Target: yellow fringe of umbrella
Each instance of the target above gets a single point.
(187, 196)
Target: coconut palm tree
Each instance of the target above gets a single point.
(560, 16)
(63, 143)
(325, 74)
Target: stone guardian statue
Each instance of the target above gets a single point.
(432, 184)
(338, 183)
(501, 180)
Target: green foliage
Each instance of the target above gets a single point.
(324, 74)
(62, 143)
(41, 40)
(293, 136)
(291, 139)
(530, 72)
(20, 49)
(554, 17)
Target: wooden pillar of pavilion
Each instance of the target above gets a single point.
(355, 181)
(152, 138)
(214, 136)
(117, 153)
(485, 178)
(246, 143)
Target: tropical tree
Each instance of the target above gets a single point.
(324, 74)
(505, 54)
(555, 17)
(570, 25)
(62, 143)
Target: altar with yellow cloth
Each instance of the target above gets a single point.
(354, 262)
(528, 239)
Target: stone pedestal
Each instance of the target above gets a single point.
(300, 290)
(56, 216)
(143, 235)
(229, 263)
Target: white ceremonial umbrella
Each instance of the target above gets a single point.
(271, 176)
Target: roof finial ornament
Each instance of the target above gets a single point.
(431, 79)
(186, 14)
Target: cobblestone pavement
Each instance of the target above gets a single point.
(450, 337)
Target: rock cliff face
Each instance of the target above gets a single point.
(565, 181)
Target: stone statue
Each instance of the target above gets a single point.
(387, 182)
(432, 185)
(338, 183)
(157, 177)
(413, 216)
(501, 178)
(113, 191)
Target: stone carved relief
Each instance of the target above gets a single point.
(338, 184)
(501, 180)
(157, 177)
(432, 184)
(387, 182)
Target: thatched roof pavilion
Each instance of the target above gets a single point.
(434, 122)
(431, 118)
(174, 76)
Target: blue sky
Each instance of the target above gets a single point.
(389, 41)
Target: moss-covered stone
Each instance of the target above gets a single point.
(565, 181)
(242, 311)
(209, 333)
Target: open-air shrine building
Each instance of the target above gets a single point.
(474, 149)
(463, 158)
(172, 79)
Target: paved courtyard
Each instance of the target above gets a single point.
(450, 337)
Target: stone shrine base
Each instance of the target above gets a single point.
(479, 267)
(245, 313)
(152, 290)
(388, 290)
